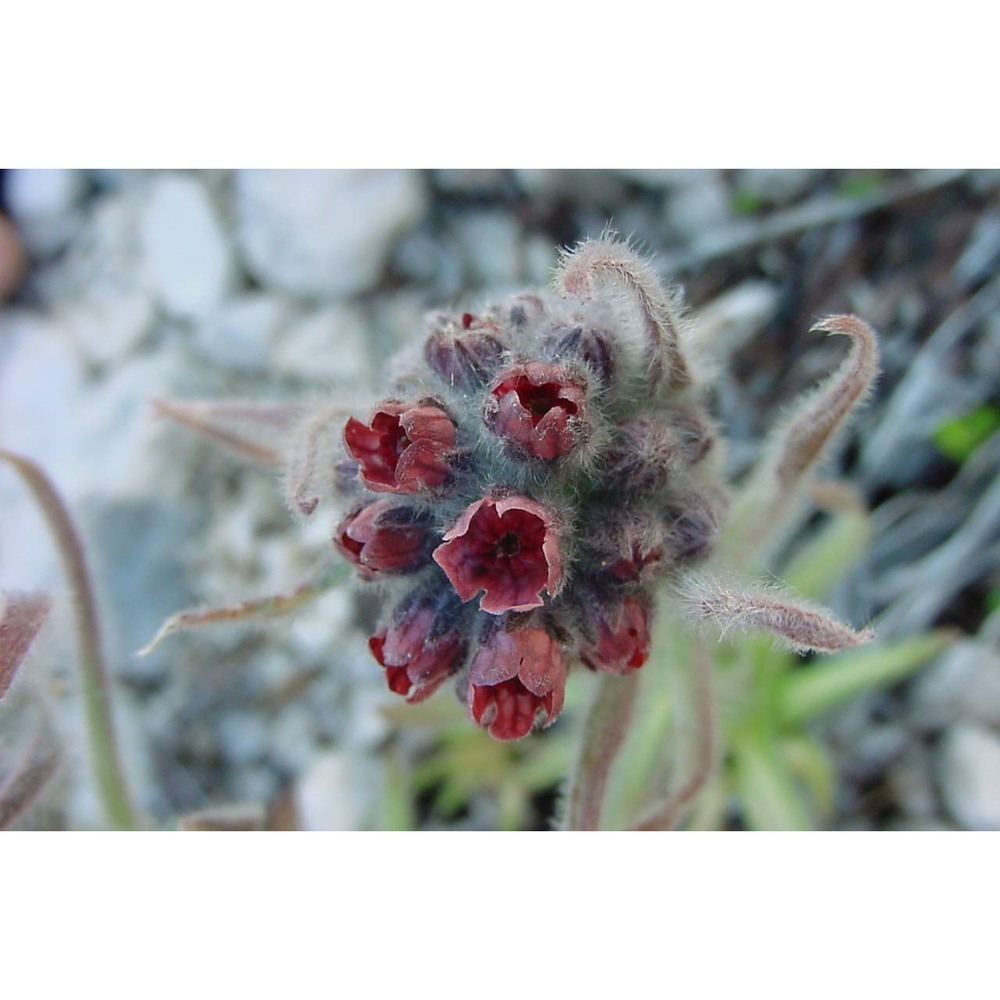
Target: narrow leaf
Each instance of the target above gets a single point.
(271, 606)
(811, 690)
(21, 616)
(33, 773)
(807, 760)
(248, 429)
(766, 790)
(767, 505)
(816, 569)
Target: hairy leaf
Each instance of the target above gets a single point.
(21, 616)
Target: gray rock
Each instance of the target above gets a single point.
(774, 186)
(469, 181)
(239, 336)
(490, 246)
(43, 204)
(188, 263)
(335, 793)
(698, 208)
(324, 234)
(970, 775)
(963, 684)
(327, 345)
(242, 737)
(107, 328)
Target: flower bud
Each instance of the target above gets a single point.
(420, 648)
(539, 408)
(403, 448)
(591, 347)
(692, 526)
(642, 455)
(624, 543)
(515, 678)
(465, 355)
(506, 547)
(384, 538)
(694, 435)
(622, 637)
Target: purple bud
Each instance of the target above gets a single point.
(464, 354)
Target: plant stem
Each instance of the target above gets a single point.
(108, 771)
(603, 733)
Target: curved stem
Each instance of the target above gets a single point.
(603, 733)
(96, 685)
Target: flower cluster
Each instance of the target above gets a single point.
(521, 493)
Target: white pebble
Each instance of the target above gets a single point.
(188, 264)
(331, 794)
(324, 234)
(970, 776)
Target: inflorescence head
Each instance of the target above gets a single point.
(521, 494)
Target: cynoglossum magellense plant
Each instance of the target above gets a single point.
(524, 490)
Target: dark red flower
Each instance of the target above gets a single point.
(506, 547)
(622, 642)
(403, 447)
(418, 650)
(538, 407)
(383, 538)
(515, 678)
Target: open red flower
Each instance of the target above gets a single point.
(505, 547)
(622, 643)
(403, 447)
(418, 650)
(383, 538)
(538, 407)
(515, 679)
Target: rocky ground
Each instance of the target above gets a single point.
(125, 287)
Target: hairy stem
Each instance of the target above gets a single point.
(108, 772)
(603, 733)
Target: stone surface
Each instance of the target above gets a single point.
(963, 684)
(334, 793)
(240, 335)
(699, 207)
(328, 345)
(970, 776)
(323, 234)
(43, 205)
(187, 260)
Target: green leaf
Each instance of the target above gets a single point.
(861, 186)
(746, 202)
(767, 793)
(960, 436)
(993, 600)
(396, 806)
(815, 689)
(810, 762)
(827, 558)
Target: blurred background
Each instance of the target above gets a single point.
(119, 287)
